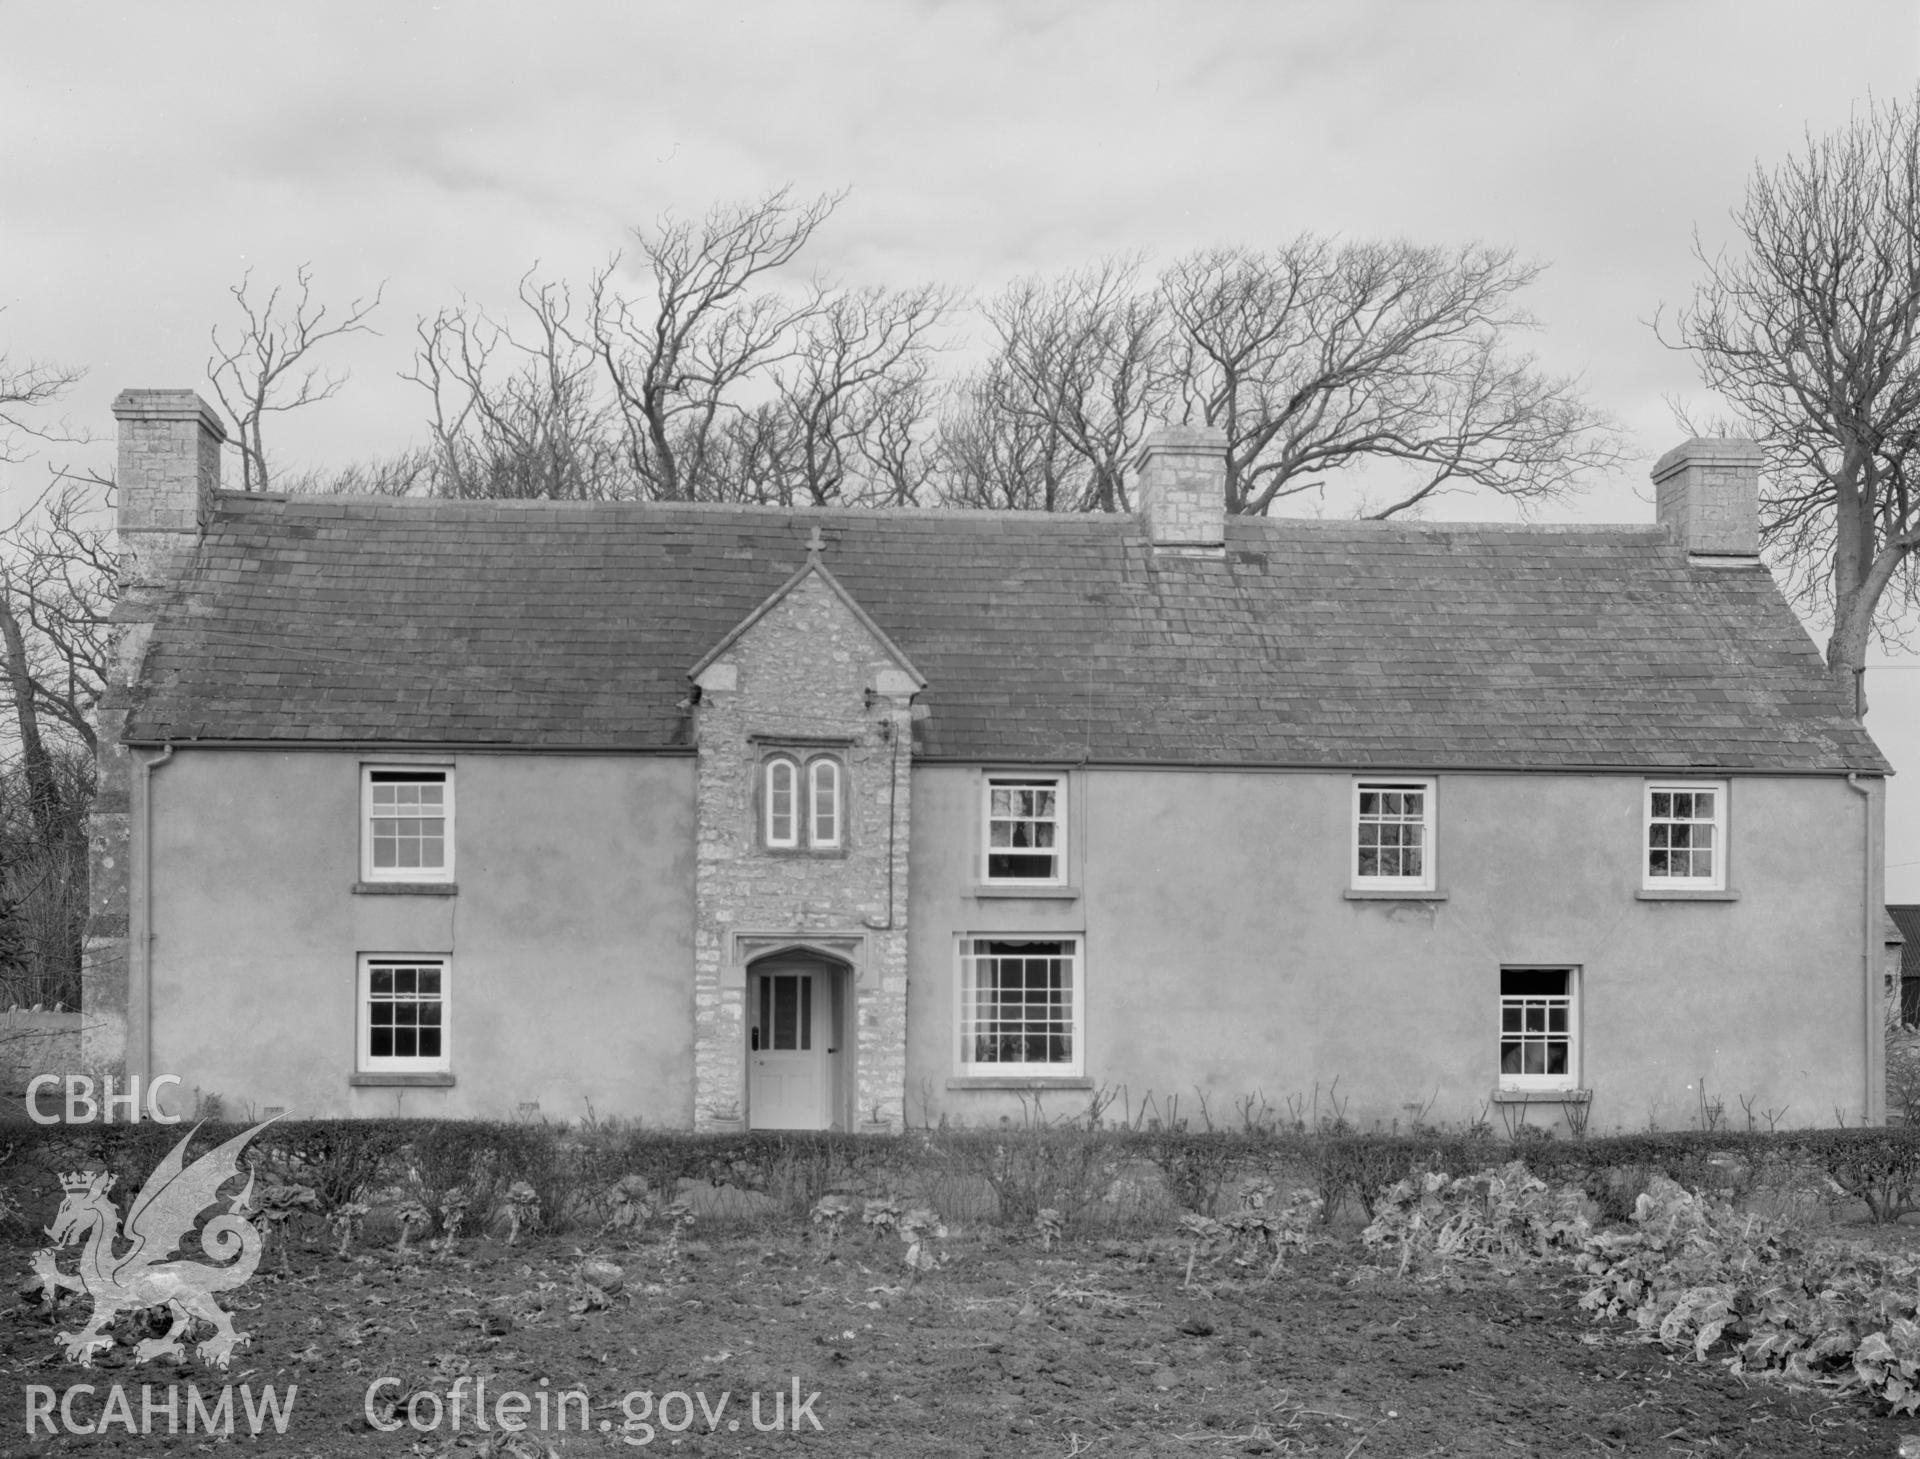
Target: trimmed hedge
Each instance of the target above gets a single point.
(1087, 1175)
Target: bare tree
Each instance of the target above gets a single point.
(1082, 363)
(850, 404)
(57, 571)
(680, 360)
(266, 369)
(519, 413)
(56, 577)
(1317, 356)
(1808, 332)
(28, 388)
(993, 455)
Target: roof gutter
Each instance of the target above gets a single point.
(1875, 1036)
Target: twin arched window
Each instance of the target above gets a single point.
(801, 803)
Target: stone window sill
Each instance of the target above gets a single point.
(1030, 892)
(1543, 1096)
(406, 889)
(1648, 894)
(1393, 894)
(401, 1081)
(1023, 1081)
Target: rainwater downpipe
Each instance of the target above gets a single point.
(140, 933)
(1868, 924)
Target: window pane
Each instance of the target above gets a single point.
(786, 1012)
(1533, 982)
(1020, 867)
(826, 801)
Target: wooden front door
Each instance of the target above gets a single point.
(789, 1046)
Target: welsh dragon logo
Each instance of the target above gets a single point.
(141, 1276)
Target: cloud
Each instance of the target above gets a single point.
(156, 151)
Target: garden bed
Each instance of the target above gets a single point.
(1004, 1348)
(957, 1311)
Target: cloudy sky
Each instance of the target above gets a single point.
(153, 153)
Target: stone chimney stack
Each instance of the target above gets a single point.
(169, 469)
(1708, 497)
(1181, 490)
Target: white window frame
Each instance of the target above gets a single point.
(769, 837)
(1428, 789)
(370, 872)
(1545, 1004)
(994, 780)
(815, 839)
(1717, 881)
(365, 1060)
(968, 1006)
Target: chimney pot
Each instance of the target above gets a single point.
(168, 471)
(1707, 495)
(1181, 490)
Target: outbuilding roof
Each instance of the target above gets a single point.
(1047, 638)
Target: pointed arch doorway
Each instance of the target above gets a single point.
(798, 1049)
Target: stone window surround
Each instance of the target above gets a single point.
(802, 751)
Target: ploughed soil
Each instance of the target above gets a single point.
(1096, 1347)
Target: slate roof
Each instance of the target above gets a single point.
(1043, 638)
(1906, 922)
